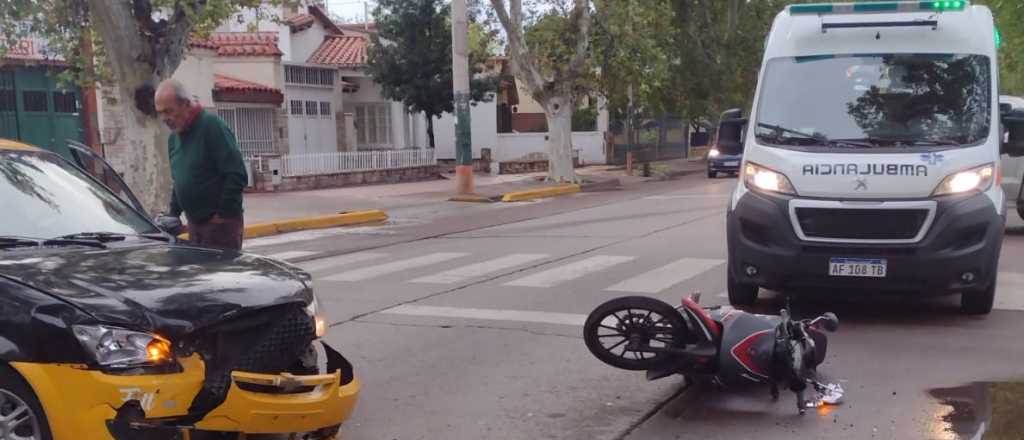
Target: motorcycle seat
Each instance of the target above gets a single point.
(698, 313)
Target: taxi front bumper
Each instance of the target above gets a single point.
(89, 404)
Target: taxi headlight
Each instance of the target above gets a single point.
(974, 179)
(117, 348)
(758, 177)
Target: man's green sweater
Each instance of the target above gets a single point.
(208, 170)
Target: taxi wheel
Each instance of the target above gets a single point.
(740, 294)
(21, 415)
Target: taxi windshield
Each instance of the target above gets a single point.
(44, 196)
(875, 101)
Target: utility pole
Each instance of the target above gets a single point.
(460, 74)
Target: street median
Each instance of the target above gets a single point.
(318, 222)
(540, 193)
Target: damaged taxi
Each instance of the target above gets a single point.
(113, 329)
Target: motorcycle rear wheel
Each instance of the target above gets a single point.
(638, 321)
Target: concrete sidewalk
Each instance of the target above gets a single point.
(266, 207)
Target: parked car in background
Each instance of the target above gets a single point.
(719, 162)
(1013, 167)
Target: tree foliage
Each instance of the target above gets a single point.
(410, 57)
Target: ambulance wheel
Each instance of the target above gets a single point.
(740, 294)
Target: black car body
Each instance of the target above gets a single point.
(112, 329)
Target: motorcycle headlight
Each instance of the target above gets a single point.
(713, 153)
(974, 179)
(757, 177)
(114, 347)
(313, 309)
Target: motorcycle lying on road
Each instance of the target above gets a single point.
(726, 345)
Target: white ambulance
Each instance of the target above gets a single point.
(871, 156)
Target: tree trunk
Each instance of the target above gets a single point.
(558, 112)
(147, 167)
(430, 130)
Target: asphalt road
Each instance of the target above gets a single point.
(465, 323)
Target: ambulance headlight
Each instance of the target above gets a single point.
(974, 179)
(760, 178)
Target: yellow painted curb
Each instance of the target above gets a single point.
(540, 193)
(320, 222)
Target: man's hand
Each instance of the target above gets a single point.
(217, 219)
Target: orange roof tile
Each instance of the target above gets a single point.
(300, 22)
(340, 50)
(235, 44)
(231, 89)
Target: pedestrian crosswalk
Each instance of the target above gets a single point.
(544, 271)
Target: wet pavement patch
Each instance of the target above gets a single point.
(981, 410)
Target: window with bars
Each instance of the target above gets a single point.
(373, 124)
(310, 76)
(35, 101)
(253, 128)
(325, 110)
(65, 102)
(311, 109)
(296, 107)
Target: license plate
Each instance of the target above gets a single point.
(857, 267)
(731, 163)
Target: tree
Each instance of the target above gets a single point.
(410, 57)
(548, 59)
(140, 43)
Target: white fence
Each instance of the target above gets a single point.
(332, 163)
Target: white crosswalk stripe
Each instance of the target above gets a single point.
(339, 261)
(292, 254)
(571, 271)
(395, 266)
(471, 271)
(1010, 291)
(489, 314)
(666, 276)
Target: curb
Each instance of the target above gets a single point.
(682, 173)
(319, 222)
(540, 193)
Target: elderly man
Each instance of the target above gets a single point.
(207, 168)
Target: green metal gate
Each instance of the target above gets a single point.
(36, 110)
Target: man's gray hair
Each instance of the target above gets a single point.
(180, 92)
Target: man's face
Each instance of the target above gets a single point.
(172, 111)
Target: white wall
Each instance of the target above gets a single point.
(513, 146)
(305, 42)
(196, 72)
(266, 71)
(484, 132)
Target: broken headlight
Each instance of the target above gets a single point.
(314, 311)
(118, 348)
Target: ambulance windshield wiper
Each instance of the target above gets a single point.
(814, 137)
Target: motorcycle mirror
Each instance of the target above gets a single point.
(830, 321)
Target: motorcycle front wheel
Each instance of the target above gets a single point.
(628, 332)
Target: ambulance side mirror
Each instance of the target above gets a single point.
(1013, 141)
(730, 132)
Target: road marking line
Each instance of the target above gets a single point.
(489, 314)
(667, 276)
(568, 272)
(340, 260)
(479, 269)
(395, 266)
(291, 254)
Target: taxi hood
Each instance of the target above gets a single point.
(168, 289)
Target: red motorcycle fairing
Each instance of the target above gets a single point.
(747, 353)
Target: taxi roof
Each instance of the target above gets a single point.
(9, 145)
